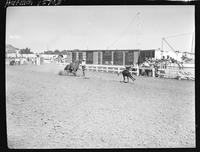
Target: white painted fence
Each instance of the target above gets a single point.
(170, 71)
(115, 68)
(105, 68)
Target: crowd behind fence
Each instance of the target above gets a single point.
(13, 61)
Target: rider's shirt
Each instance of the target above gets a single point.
(83, 63)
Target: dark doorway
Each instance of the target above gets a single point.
(118, 58)
(107, 55)
(129, 57)
(73, 56)
(89, 57)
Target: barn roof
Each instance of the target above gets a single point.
(99, 50)
(11, 49)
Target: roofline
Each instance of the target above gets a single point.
(110, 50)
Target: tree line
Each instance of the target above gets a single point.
(64, 52)
(56, 52)
(25, 51)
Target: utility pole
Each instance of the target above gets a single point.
(137, 30)
(162, 48)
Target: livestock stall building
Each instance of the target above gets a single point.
(112, 57)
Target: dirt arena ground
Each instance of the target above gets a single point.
(45, 110)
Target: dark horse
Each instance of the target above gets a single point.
(72, 67)
(127, 74)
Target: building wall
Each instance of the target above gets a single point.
(107, 57)
(73, 56)
(89, 57)
(146, 54)
(129, 57)
(95, 57)
(80, 56)
(99, 57)
(118, 58)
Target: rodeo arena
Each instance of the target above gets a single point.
(92, 98)
(76, 107)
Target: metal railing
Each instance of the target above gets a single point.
(169, 70)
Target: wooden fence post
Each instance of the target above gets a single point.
(153, 72)
(138, 71)
(118, 70)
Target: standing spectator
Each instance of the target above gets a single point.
(35, 60)
(83, 65)
(38, 60)
(32, 60)
(17, 60)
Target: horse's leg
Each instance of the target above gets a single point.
(130, 76)
(127, 78)
(123, 77)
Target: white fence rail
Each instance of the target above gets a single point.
(170, 71)
(105, 68)
(116, 68)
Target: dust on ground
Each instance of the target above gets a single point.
(45, 110)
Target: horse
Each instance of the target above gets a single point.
(12, 62)
(72, 67)
(127, 74)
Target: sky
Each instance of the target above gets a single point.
(44, 28)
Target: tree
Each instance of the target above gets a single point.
(57, 52)
(48, 52)
(25, 51)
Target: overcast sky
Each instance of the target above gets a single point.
(99, 27)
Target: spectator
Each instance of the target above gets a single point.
(83, 65)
